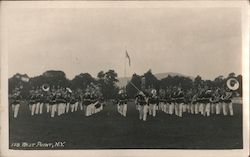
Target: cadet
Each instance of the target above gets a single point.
(141, 99)
(153, 103)
(122, 103)
(15, 104)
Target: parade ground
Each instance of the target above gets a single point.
(109, 130)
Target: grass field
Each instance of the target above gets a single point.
(109, 130)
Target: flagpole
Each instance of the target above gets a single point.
(125, 66)
(128, 81)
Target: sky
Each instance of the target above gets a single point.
(190, 41)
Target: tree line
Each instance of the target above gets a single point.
(107, 81)
(149, 81)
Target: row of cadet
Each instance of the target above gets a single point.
(177, 101)
(171, 101)
(58, 102)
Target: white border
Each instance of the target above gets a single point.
(7, 6)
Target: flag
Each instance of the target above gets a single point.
(129, 62)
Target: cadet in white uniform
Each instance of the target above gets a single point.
(180, 101)
(153, 103)
(122, 103)
(207, 98)
(86, 103)
(53, 104)
(194, 105)
(142, 105)
(227, 105)
(32, 103)
(15, 104)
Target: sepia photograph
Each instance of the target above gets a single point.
(124, 76)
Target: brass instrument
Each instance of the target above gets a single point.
(45, 87)
(69, 90)
(233, 83)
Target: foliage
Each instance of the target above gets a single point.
(81, 81)
(107, 82)
(136, 81)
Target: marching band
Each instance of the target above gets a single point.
(173, 101)
(176, 101)
(58, 101)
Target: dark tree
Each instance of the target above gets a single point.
(131, 90)
(107, 82)
(101, 80)
(81, 81)
(198, 81)
(101, 75)
(219, 81)
(150, 80)
(177, 81)
(21, 82)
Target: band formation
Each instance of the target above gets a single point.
(57, 101)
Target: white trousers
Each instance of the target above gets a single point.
(53, 110)
(196, 108)
(202, 108)
(231, 111)
(81, 106)
(15, 109)
(30, 107)
(155, 107)
(166, 108)
(171, 108)
(151, 106)
(64, 108)
(145, 112)
(152, 109)
(40, 108)
(92, 108)
(161, 106)
(99, 108)
(33, 108)
(176, 109)
(67, 107)
(47, 107)
(184, 108)
(72, 107)
(207, 109)
(225, 108)
(76, 106)
(124, 110)
(188, 108)
(192, 107)
(87, 112)
(180, 109)
(37, 108)
(61, 109)
(140, 109)
(218, 108)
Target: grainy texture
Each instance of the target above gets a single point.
(108, 129)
